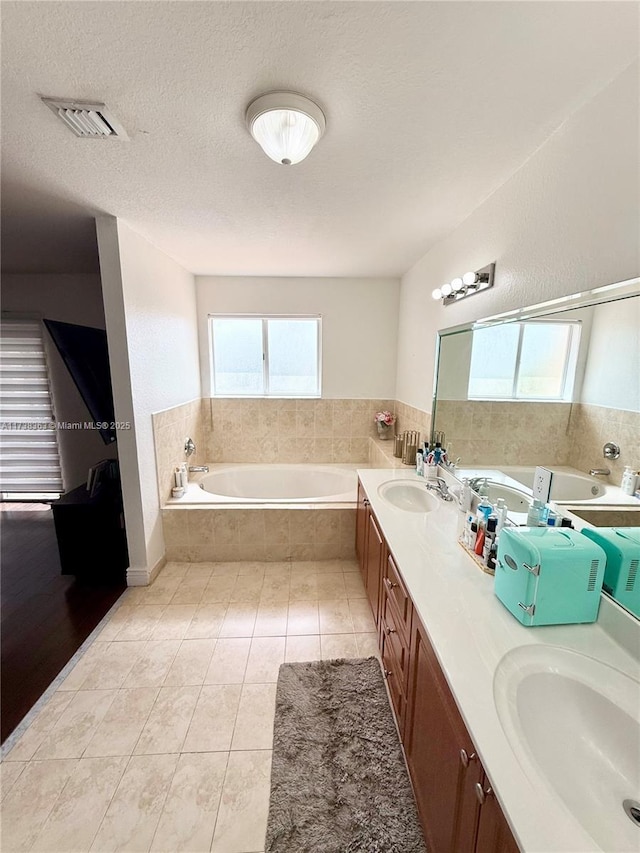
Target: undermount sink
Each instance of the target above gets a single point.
(575, 720)
(408, 495)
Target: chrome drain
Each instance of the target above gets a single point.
(632, 810)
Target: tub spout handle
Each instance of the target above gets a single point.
(198, 469)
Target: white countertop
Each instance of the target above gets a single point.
(471, 631)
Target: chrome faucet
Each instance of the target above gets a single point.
(600, 472)
(198, 469)
(440, 486)
(476, 483)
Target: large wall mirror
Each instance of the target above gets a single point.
(549, 385)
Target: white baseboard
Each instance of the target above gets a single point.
(143, 577)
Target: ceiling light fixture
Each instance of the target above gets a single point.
(470, 283)
(285, 125)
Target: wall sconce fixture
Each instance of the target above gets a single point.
(470, 283)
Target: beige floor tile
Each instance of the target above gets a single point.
(153, 664)
(247, 588)
(251, 568)
(271, 620)
(304, 587)
(361, 616)
(265, 656)
(46, 719)
(174, 622)
(84, 667)
(256, 713)
(114, 666)
(303, 618)
(161, 591)
(132, 817)
(174, 570)
(141, 623)
(242, 817)
(81, 806)
(302, 648)
(338, 646)
(190, 810)
(368, 645)
(207, 622)
(199, 570)
(219, 589)
(74, 729)
(275, 587)
(168, 722)
(213, 720)
(239, 620)
(191, 663)
(115, 623)
(226, 569)
(9, 773)
(190, 590)
(335, 617)
(331, 586)
(29, 803)
(354, 585)
(329, 567)
(229, 661)
(121, 726)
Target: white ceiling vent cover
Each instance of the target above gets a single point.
(88, 120)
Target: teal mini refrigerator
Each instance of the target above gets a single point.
(622, 575)
(549, 576)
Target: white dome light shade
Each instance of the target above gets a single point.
(285, 125)
(470, 278)
(446, 289)
(436, 294)
(457, 285)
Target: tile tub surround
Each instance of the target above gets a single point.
(591, 427)
(165, 744)
(258, 533)
(170, 429)
(290, 430)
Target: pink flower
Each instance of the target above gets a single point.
(385, 417)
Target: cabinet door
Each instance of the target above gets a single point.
(375, 554)
(494, 834)
(361, 527)
(434, 736)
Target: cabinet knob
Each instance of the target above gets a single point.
(390, 631)
(387, 673)
(390, 584)
(365, 502)
(481, 794)
(465, 758)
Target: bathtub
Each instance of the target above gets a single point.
(251, 484)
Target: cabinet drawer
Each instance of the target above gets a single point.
(395, 638)
(395, 683)
(395, 590)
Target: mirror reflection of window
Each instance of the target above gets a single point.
(524, 361)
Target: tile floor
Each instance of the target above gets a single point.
(160, 737)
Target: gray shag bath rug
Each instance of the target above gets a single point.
(339, 783)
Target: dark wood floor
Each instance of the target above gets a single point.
(45, 616)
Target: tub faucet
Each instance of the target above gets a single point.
(440, 486)
(477, 483)
(198, 469)
(600, 472)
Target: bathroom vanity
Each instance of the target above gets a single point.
(447, 647)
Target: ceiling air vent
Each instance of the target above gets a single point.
(88, 120)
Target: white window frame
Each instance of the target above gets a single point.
(569, 370)
(265, 318)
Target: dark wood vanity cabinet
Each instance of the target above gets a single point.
(458, 809)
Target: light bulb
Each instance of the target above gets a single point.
(470, 278)
(457, 284)
(436, 294)
(446, 289)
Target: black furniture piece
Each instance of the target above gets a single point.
(92, 539)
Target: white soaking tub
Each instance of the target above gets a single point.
(272, 484)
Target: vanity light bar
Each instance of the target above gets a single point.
(470, 283)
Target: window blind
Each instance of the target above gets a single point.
(29, 457)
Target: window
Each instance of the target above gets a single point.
(535, 360)
(30, 460)
(276, 356)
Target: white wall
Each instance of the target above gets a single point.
(566, 221)
(612, 372)
(359, 324)
(150, 309)
(69, 299)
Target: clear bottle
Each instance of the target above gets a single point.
(534, 516)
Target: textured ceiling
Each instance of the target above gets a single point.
(430, 106)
